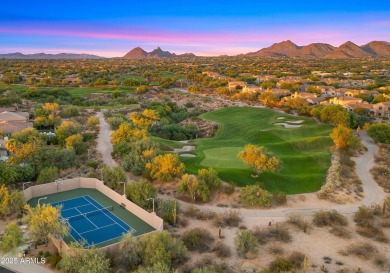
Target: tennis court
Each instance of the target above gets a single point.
(90, 222)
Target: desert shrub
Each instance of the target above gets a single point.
(272, 233)
(245, 243)
(281, 265)
(192, 212)
(298, 221)
(364, 217)
(296, 258)
(279, 198)
(222, 250)
(197, 239)
(48, 174)
(340, 231)
(54, 259)
(329, 218)
(209, 263)
(229, 188)
(362, 250)
(373, 233)
(381, 261)
(275, 249)
(230, 218)
(183, 222)
(255, 195)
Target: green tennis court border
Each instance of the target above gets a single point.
(126, 216)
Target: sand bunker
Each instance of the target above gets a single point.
(286, 125)
(295, 121)
(280, 118)
(186, 148)
(187, 155)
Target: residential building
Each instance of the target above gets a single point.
(11, 122)
(381, 110)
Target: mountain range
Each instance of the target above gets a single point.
(375, 49)
(138, 53)
(44, 56)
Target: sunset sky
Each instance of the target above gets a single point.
(111, 28)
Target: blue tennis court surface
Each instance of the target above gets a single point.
(90, 222)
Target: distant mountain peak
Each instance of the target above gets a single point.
(18, 55)
(156, 53)
(321, 50)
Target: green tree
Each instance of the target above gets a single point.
(162, 247)
(112, 176)
(139, 192)
(12, 237)
(77, 260)
(17, 201)
(188, 185)
(245, 243)
(255, 157)
(158, 267)
(8, 174)
(332, 113)
(47, 174)
(380, 132)
(343, 137)
(136, 154)
(130, 251)
(210, 178)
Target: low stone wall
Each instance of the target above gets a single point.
(70, 184)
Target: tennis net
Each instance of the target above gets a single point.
(90, 213)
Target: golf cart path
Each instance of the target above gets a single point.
(373, 194)
(105, 148)
(104, 145)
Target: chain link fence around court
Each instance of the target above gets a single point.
(92, 183)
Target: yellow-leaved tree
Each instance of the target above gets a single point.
(21, 151)
(4, 200)
(44, 220)
(125, 133)
(165, 167)
(51, 107)
(256, 157)
(92, 121)
(74, 141)
(343, 137)
(144, 119)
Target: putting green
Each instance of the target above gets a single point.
(304, 152)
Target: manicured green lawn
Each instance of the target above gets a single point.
(304, 152)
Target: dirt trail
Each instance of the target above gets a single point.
(104, 145)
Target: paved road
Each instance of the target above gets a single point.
(373, 194)
(104, 145)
